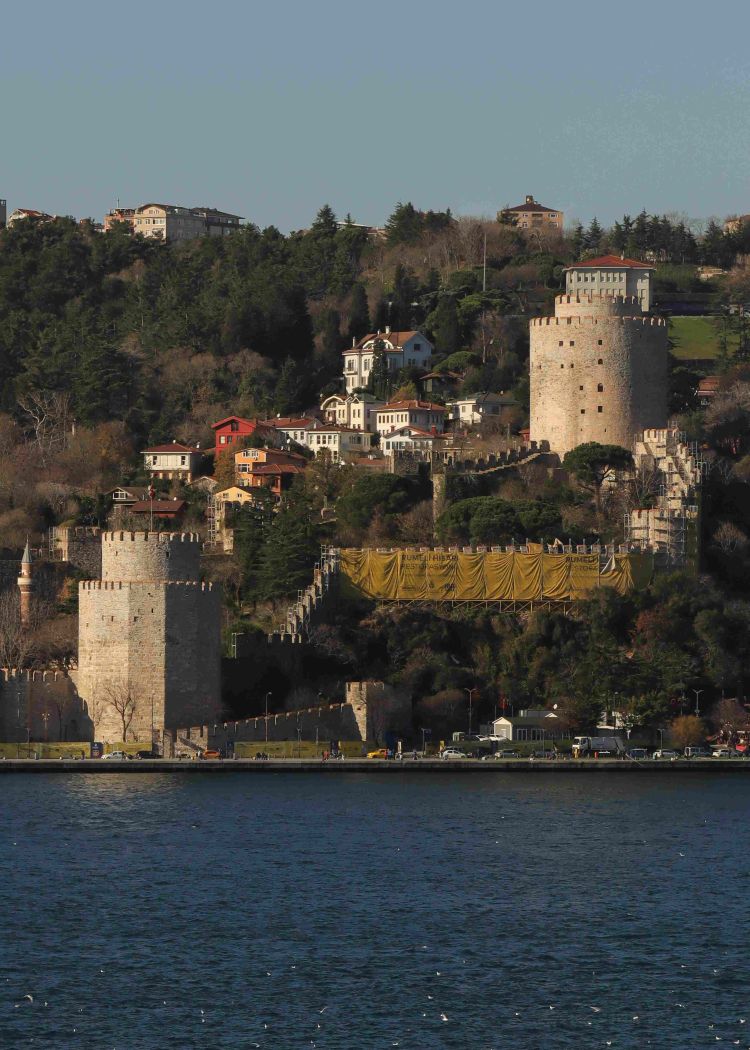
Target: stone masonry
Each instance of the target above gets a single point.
(149, 637)
(598, 372)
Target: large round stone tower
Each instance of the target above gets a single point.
(149, 654)
(598, 372)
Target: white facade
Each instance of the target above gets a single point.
(167, 222)
(610, 275)
(479, 407)
(172, 461)
(402, 349)
(410, 439)
(358, 411)
(421, 414)
(339, 442)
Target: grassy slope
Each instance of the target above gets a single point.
(694, 337)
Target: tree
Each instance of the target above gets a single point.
(359, 314)
(687, 731)
(16, 643)
(593, 464)
(728, 716)
(120, 698)
(379, 379)
(290, 550)
(405, 225)
(443, 325)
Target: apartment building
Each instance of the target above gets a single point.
(168, 222)
(533, 215)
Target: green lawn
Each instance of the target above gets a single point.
(694, 337)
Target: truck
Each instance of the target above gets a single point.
(593, 746)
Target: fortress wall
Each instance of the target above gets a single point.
(570, 357)
(192, 664)
(150, 556)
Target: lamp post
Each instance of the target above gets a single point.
(471, 694)
(697, 694)
(661, 739)
(267, 696)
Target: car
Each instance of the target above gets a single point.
(696, 752)
(381, 752)
(452, 752)
(502, 754)
(146, 754)
(665, 752)
(726, 752)
(209, 753)
(117, 756)
(544, 754)
(637, 753)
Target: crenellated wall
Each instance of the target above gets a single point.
(597, 373)
(151, 556)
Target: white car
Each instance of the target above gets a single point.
(726, 752)
(453, 752)
(665, 752)
(117, 756)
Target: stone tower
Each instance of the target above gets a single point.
(598, 371)
(25, 585)
(149, 654)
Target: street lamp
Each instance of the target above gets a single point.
(697, 694)
(661, 739)
(267, 696)
(471, 693)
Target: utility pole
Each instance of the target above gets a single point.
(697, 694)
(267, 696)
(471, 693)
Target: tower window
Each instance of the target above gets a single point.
(572, 342)
(560, 343)
(580, 388)
(562, 366)
(572, 366)
(600, 388)
(600, 362)
(599, 408)
(583, 411)
(599, 342)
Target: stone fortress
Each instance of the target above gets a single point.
(598, 367)
(149, 649)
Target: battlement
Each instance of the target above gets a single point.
(588, 320)
(146, 537)
(594, 298)
(8, 674)
(127, 585)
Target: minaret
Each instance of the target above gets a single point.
(25, 585)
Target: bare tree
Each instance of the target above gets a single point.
(49, 416)
(16, 645)
(729, 538)
(119, 697)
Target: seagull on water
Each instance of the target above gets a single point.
(443, 1017)
(26, 999)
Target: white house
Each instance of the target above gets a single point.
(410, 439)
(478, 408)
(422, 414)
(611, 275)
(295, 428)
(352, 410)
(173, 461)
(402, 350)
(339, 441)
(536, 725)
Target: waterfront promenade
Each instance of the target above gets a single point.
(380, 766)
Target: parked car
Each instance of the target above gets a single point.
(696, 752)
(453, 752)
(209, 753)
(147, 754)
(637, 753)
(381, 752)
(544, 754)
(726, 752)
(117, 756)
(502, 754)
(665, 752)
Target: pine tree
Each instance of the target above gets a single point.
(444, 325)
(577, 239)
(359, 314)
(252, 526)
(405, 225)
(593, 236)
(290, 550)
(379, 380)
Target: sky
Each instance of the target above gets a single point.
(270, 110)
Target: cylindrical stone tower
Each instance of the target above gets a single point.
(598, 372)
(149, 655)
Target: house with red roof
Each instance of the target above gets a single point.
(411, 439)
(230, 433)
(295, 428)
(402, 350)
(610, 275)
(533, 215)
(173, 461)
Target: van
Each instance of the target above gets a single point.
(696, 752)
(637, 753)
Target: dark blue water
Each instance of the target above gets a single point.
(285, 911)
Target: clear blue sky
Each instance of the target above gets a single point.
(272, 109)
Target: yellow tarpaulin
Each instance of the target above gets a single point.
(488, 576)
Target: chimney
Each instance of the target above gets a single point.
(433, 430)
(387, 329)
(354, 341)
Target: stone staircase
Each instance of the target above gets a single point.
(301, 614)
